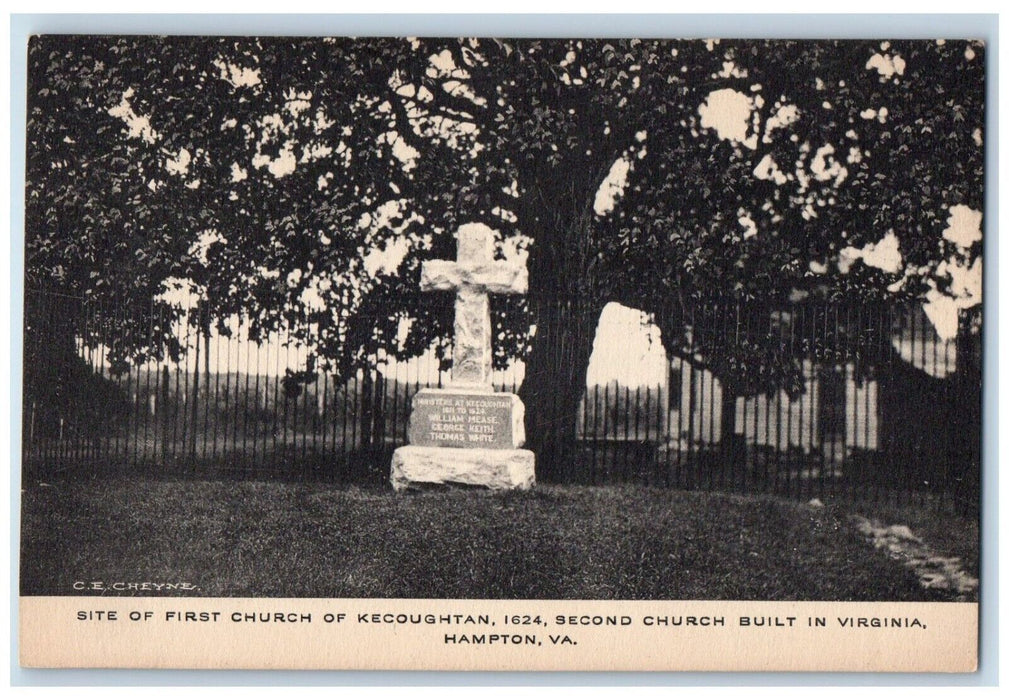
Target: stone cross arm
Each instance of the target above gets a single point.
(497, 277)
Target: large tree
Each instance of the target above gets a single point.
(307, 179)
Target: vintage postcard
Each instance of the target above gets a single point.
(502, 354)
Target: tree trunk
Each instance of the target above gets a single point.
(372, 400)
(50, 361)
(63, 387)
(963, 438)
(566, 300)
(555, 383)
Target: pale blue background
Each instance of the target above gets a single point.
(669, 26)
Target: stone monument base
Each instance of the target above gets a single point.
(417, 467)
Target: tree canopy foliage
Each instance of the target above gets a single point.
(306, 179)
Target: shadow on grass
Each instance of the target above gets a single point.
(277, 539)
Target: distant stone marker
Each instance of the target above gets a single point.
(468, 434)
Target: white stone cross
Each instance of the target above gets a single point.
(473, 276)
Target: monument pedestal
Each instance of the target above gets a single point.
(464, 436)
(415, 467)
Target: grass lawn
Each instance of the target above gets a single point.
(247, 538)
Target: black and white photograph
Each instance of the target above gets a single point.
(502, 321)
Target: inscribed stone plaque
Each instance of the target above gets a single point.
(459, 419)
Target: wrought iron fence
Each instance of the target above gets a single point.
(808, 401)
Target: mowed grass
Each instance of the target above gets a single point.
(269, 539)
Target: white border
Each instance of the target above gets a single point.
(766, 25)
